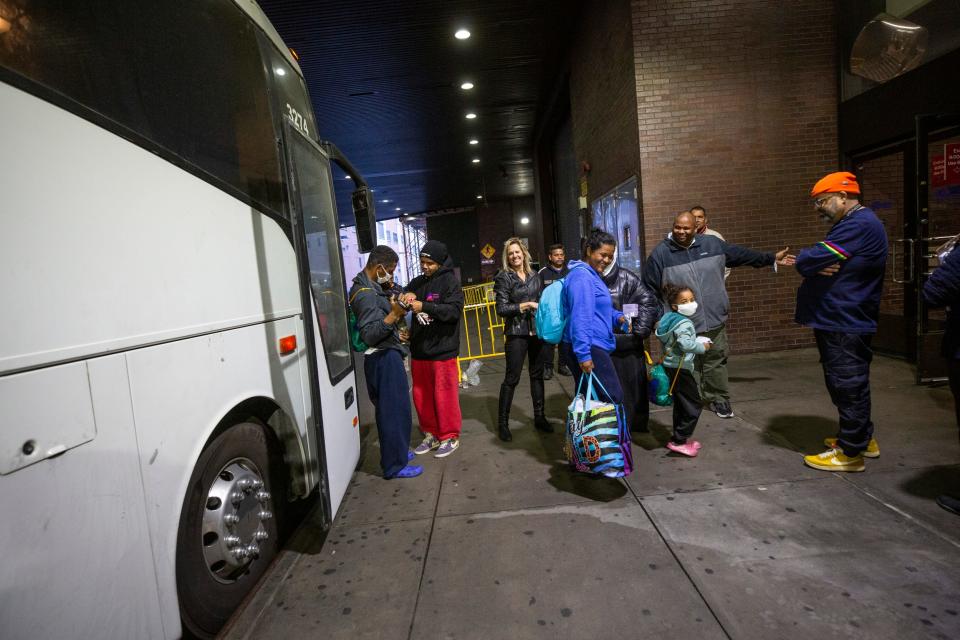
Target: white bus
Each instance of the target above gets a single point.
(175, 367)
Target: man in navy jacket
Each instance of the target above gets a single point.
(840, 300)
(943, 290)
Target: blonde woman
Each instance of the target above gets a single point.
(517, 288)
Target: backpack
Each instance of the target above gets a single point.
(356, 342)
(551, 317)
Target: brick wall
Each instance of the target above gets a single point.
(603, 99)
(736, 106)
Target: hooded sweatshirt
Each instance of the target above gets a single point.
(679, 339)
(589, 311)
(442, 300)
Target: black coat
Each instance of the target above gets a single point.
(626, 287)
(510, 291)
(442, 300)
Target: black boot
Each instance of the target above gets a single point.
(547, 372)
(503, 413)
(537, 395)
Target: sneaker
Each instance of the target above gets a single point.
(429, 443)
(410, 456)
(722, 409)
(690, 448)
(409, 471)
(564, 370)
(950, 504)
(834, 460)
(872, 451)
(548, 373)
(447, 447)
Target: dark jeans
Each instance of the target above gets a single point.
(953, 370)
(516, 348)
(632, 371)
(686, 404)
(602, 367)
(387, 387)
(846, 358)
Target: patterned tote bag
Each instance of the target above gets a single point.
(598, 440)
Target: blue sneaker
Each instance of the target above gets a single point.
(409, 471)
(410, 455)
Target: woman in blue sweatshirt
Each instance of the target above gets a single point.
(588, 335)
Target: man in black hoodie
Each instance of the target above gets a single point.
(436, 300)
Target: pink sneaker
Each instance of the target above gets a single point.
(690, 449)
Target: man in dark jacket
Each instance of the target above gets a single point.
(378, 319)
(556, 268)
(943, 290)
(436, 300)
(698, 262)
(642, 307)
(840, 300)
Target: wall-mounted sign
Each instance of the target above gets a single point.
(938, 173)
(951, 154)
(488, 251)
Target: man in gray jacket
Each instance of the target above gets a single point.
(698, 262)
(379, 318)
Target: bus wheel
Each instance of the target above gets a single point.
(228, 532)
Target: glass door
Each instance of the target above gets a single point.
(937, 176)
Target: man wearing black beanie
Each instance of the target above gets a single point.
(436, 300)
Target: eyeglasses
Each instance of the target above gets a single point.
(819, 202)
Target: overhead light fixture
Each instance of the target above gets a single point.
(479, 197)
(347, 177)
(385, 201)
(474, 141)
(475, 161)
(461, 34)
(524, 220)
(398, 208)
(466, 86)
(281, 72)
(471, 115)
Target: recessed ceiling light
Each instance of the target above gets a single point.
(461, 34)
(474, 141)
(475, 161)
(479, 197)
(466, 86)
(385, 201)
(397, 209)
(347, 178)
(524, 220)
(471, 116)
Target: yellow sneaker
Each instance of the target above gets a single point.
(834, 460)
(873, 449)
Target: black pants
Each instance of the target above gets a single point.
(632, 372)
(686, 405)
(602, 367)
(516, 349)
(953, 370)
(846, 358)
(387, 387)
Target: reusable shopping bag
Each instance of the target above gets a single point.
(356, 342)
(598, 439)
(660, 387)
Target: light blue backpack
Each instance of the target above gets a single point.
(550, 318)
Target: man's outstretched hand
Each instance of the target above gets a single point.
(829, 271)
(785, 259)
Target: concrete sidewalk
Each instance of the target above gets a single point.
(503, 541)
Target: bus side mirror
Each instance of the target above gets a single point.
(366, 219)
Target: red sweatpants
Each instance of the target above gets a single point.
(436, 395)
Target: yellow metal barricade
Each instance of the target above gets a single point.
(482, 327)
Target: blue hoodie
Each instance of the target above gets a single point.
(589, 311)
(678, 336)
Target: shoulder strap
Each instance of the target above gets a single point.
(357, 292)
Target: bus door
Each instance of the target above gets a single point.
(937, 221)
(332, 385)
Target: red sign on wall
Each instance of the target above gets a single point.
(938, 171)
(951, 153)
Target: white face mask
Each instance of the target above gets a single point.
(610, 267)
(687, 309)
(385, 278)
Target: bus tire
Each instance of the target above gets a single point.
(229, 530)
